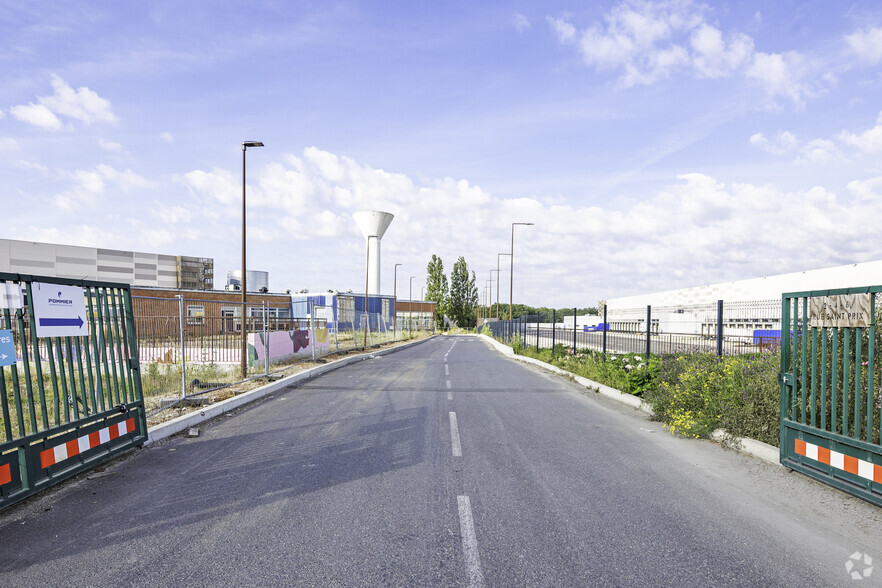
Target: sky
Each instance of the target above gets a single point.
(654, 145)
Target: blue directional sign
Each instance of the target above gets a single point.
(60, 310)
(7, 348)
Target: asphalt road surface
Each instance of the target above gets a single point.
(444, 464)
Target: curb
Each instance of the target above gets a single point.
(746, 445)
(184, 422)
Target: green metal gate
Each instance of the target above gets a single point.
(71, 390)
(830, 387)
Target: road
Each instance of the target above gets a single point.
(444, 464)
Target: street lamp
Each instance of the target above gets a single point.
(497, 291)
(511, 270)
(410, 306)
(395, 297)
(498, 255)
(242, 281)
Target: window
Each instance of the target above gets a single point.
(195, 314)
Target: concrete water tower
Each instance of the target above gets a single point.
(373, 225)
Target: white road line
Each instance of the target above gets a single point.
(469, 542)
(449, 395)
(454, 436)
(446, 370)
(448, 384)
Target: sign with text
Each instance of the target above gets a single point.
(7, 348)
(10, 295)
(59, 311)
(842, 310)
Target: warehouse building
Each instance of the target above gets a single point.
(106, 265)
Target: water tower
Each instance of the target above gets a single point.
(373, 225)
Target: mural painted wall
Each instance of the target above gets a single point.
(287, 345)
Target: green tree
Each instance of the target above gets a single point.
(463, 295)
(436, 287)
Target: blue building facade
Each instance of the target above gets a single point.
(345, 310)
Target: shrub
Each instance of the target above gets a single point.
(698, 393)
(517, 344)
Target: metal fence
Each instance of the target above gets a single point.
(70, 387)
(723, 328)
(192, 347)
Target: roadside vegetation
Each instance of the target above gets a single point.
(693, 394)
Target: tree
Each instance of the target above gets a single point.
(436, 286)
(463, 294)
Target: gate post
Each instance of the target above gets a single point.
(266, 343)
(648, 328)
(553, 328)
(719, 328)
(605, 328)
(183, 348)
(574, 330)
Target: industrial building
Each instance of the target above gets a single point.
(750, 306)
(106, 265)
(344, 310)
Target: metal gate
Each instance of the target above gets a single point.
(830, 386)
(71, 390)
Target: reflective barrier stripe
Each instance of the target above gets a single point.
(76, 446)
(840, 461)
(5, 474)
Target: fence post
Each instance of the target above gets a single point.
(553, 328)
(648, 328)
(336, 328)
(719, 328)
(183, 348)
(266, 345)
(312, 341)
(574, 330)
(605, 329)
(537, 331)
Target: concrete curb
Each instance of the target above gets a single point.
(746, 445)
(184, 422)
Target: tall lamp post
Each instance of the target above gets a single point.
(491, 292)
(395, 297)
(410, 306)
(244, 362)
(498, 276)
(511, 270)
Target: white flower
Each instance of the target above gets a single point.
(628, 366)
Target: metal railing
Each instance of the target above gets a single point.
(722, 328)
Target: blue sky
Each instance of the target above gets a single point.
(655, 145)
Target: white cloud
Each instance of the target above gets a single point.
(819, 152)
(782, 74)
(81, 104)
(869, 141)
(36, 114)
(110, 145)
(31, 166)
(217, 184)
(866, 45)
(869, 190)
(167, 137)
(520, 22)
(8, 144)
(90, 185)
(650, 41)
(694, 229)
(784, 142)
(715, 58)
